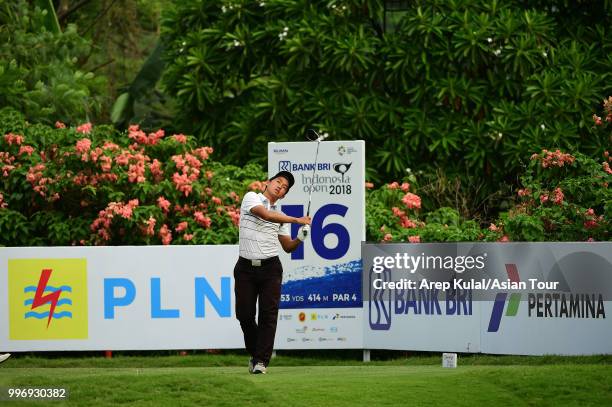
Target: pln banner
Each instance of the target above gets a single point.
(506, 298)
(118, 298)
(321, 301)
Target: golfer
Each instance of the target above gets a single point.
(258, 273)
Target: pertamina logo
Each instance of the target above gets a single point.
(545, 304)
(47, 299)
(500, 301)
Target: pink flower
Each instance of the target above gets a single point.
(558, 196)
(555, 159)
(202, 220)
(2, 203)
(155, 137)
(388, 237)
(234, 196)
(179, 138)
(136, 172)
(182, 183)
(493, 227)
(393, 185)
(163, 204)
(11, 139)
(84, 128)
(414, 239)
(234, 214)
(26, 150)
(369, 185)
(83, 145)
(412, 201)
(405, 186)
(216, 200)
(139, 136)
(543, 198)
(203, 152)
(606, 168)
(504, 238)
(188, 236)
(257, 186)
(407, 223)
(59, 125)
(156, 170)
(524, 192)
(397, 212)
(109, 145)
(150, 230)
(106, 163)
(597, 120)
(123, 158)
(165, 234)
(181, 226)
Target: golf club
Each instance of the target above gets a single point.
(312, 135)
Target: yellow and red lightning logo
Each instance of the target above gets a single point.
(47, 299)
(41, 299)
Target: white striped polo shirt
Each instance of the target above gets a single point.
(258, 238)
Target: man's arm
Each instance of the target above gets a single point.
(288, 244)
(278, 217)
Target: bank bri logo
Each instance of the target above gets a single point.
(379, 304)
(47, 299)
(500, 301)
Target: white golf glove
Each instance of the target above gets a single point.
(303, 232)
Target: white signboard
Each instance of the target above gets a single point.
(321, 302)
(506, 298)
(118, 298)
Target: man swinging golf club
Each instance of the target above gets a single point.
(258, 273)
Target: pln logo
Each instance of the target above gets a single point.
(47, 299)
(500, 301)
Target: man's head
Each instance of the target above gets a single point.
(280, 184)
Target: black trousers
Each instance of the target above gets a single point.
(258, 284)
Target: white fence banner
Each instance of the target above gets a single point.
(118, 298)
(506, 298)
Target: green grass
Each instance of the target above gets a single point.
(222, 380)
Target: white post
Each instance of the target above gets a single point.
(366, 355)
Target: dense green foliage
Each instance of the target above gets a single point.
(39, 69)
(71, 63)
(452, 97)
(94, 185)
(473, 87)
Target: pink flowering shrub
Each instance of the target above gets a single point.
(91, 185)
(564, 197)
(392, 213)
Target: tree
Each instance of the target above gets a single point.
(472, 87)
